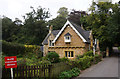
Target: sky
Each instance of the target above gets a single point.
(18, 8)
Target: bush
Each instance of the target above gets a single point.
(64, 59)
(44, 62)
(79, 56)
(53, 57)
(68, 74)
(75, 72)
(10, 49)
(97, 58)
(15, 49)
(84, 62)
(89, 53)
(119, 48)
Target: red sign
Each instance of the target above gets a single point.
(10, 62)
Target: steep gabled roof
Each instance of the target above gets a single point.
(84, 35)
(54, 32)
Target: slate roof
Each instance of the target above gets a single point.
(67, 34)
(54, 32)
(84, 33)
(41, 48)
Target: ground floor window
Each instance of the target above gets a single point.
(69, 54)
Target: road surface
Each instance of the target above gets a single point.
(106, 68)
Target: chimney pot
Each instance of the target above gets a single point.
(50, 29)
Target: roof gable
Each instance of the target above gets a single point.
(54, 32)
(76, 28)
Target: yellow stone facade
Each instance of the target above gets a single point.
(76, 45)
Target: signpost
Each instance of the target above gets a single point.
(11, 62)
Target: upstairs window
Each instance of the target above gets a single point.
(67, 38)
(50, 43)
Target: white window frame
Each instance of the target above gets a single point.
(51, 43)
(67, 39)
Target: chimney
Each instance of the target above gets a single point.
(82, 26)
(50, 29)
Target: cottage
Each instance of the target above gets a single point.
(69, 42)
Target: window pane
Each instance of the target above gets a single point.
(68, 38)
(65, 53)
(72, 54)
(68, 54)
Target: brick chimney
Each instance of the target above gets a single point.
(50, 29)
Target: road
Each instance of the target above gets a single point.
(106, 68)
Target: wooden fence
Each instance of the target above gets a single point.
(36, 72)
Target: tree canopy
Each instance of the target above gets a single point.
(103, 20)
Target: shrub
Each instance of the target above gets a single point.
(64, 59)
(10, 49)
(97, 58)
(68, 74)
(84, 62)
(53, 57)
(79, 56)
(119, 47)
(75, 72)
(89, 53)
(44, 62)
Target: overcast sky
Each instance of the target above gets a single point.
(17, 8)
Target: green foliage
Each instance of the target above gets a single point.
(104, 23)
(75, 72)
(15, 49)
(119, 48)
(10, 49)
(68, 74)
(57, 22)
(64, 59)
(10, 29)
(44, 62)
(89, 53)
(84, 62)
(53, 57)
(63, 12)
(79, 56)
(97, 58)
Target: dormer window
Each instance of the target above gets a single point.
(67, 38)
(50, 43)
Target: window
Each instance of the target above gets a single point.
(69, 54)
(50, 43)
(67, 38)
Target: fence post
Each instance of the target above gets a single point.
(44, 70)
(49, 70)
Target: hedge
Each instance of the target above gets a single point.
(12, 49)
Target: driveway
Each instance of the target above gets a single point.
(106, 68)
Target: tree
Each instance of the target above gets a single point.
(10, 29)
(6, 27)
(114, 25)
(98, 21)
(60, 20)
(63, 12)
(57, 22)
